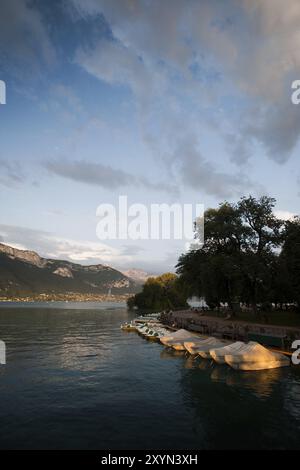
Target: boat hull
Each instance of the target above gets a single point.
(178, 347)
(255, 362)
(128, 328)
(258, 365)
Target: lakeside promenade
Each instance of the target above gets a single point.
(280, 337)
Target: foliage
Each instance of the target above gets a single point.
(160, 293)
(248, 256)
(241, 258)
(290, 262)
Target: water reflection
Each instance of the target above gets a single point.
(169, 353)
(79, 354)
(261, 383)
(190, 363)
(242, 409)
(292, 395)
(89, 378)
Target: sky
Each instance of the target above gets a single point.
(180, 101)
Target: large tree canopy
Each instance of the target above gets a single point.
(240, 259)
(290, 262)
(159, 293)
(248, 256)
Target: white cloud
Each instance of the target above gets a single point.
(51, 246)
(198, 173)
(285, 215)
(12, 173)
(24, 36)
(252, 46)
(105, 176)
(84, 251)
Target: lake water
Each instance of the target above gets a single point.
(73, 379)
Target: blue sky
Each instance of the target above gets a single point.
(174, 101)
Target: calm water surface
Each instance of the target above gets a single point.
(73, 379)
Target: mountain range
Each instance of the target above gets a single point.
(24, 273)
(138, 275)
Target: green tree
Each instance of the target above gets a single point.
(237, 260)
(264, 233)
(290, 262)
(160, 293)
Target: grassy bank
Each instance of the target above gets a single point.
(277, 318)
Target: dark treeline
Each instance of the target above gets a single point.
(249, 256)
(164, 292)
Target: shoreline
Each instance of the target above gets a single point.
(66, 298)
(280, 336)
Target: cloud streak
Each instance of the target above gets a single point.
(251, 45)
(97, 174)
(198, 173)
(49, 245)
(24, 35)
(11, 174)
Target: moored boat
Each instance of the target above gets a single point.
(179, 344)
(218, 354)
(153, 333)
(179, 335)
(141, 329)
(279, 360)
(254, 356)
(204, 349)
(129, 326)
(193, 346)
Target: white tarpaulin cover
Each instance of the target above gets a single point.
(254, 356)
(219, 354)
(177, 335)
(193, 346)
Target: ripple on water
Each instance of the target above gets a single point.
(73, 379)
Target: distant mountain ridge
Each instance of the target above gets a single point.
(138, 275)
(25, 255)
(24, 272)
